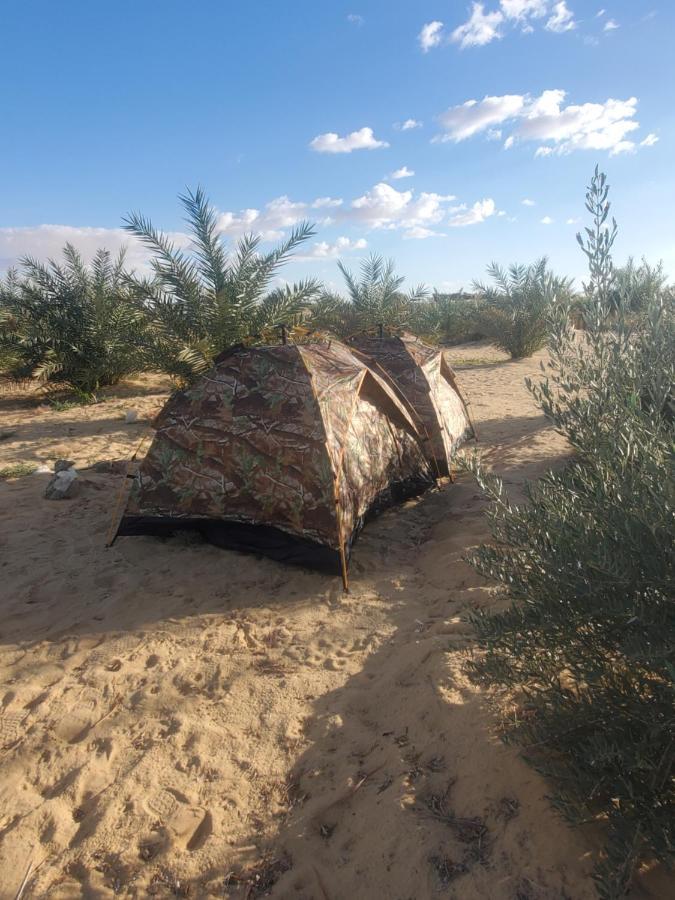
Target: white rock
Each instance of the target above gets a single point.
(131, 416)
(62, 485)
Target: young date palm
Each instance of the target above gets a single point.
(69, 323)
(202, 300)
(374, 299)
(514, 312)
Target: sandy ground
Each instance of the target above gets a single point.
(182, 720)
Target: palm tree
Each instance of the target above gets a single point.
(514, 312)
(203, 300)
(373, 299)
(69, 323)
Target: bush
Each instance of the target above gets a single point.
(638, 286)
(514, 314)
(200, 302)
(374, 299)
(70, 324)
(447, 319)
(586, 562)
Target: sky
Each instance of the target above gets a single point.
(442, 134)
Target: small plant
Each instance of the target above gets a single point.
(587, 564)
(74, 401)
(201, 302)
(17, 470)
(514, 312)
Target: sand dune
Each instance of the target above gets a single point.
(178, 719)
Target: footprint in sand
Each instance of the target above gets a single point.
(108, 652)
(11, 728)
(189, 826)
(74, 720)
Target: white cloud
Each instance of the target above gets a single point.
(385, 207)
(326, 202)
(276, 217)
(494, 134)
(363, 139)
(556, 128)
(407, 125)
(573, 221)
(461, 122)
(600, 13)
(419, 233)
(589, 126)
(480, 211)
(355, 19)
(47, 242)
(528, 202)
(325, 250)
(479, 29)
(610, 25)
(562, 18)
(650, 140)
(547, 220)
(403, 172)
(521, 10)
(430, 36)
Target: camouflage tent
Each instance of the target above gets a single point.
(425, 378)
(281, 450)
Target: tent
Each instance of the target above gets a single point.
(282, 450)
(426, 380)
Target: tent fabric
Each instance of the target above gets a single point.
(302, 441)
(426, 380)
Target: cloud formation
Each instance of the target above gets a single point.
(47, 242)
(430, 36)
(479, 29)
(480, 211)
(562, 19)
(330, 142)
(326, 250)
(403, 172)
(485, 25)
(545, 120)
(407, 125)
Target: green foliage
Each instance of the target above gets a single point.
(587, 563)
(203, 300)
(17, 470)
(447, 318)
(374, 299)
(70, 323)
(514, 312)
(637, 287)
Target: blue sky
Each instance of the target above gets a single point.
(291, 111)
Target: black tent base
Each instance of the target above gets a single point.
(260, 539)
(266, 540)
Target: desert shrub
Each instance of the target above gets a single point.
(514, 312)
(375, 298)
(70, 323)
(586, 643)
(447, 318)
(205, 299)
(638, 286)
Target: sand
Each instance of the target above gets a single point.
(182, 720)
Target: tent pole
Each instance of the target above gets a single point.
(343, 565)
